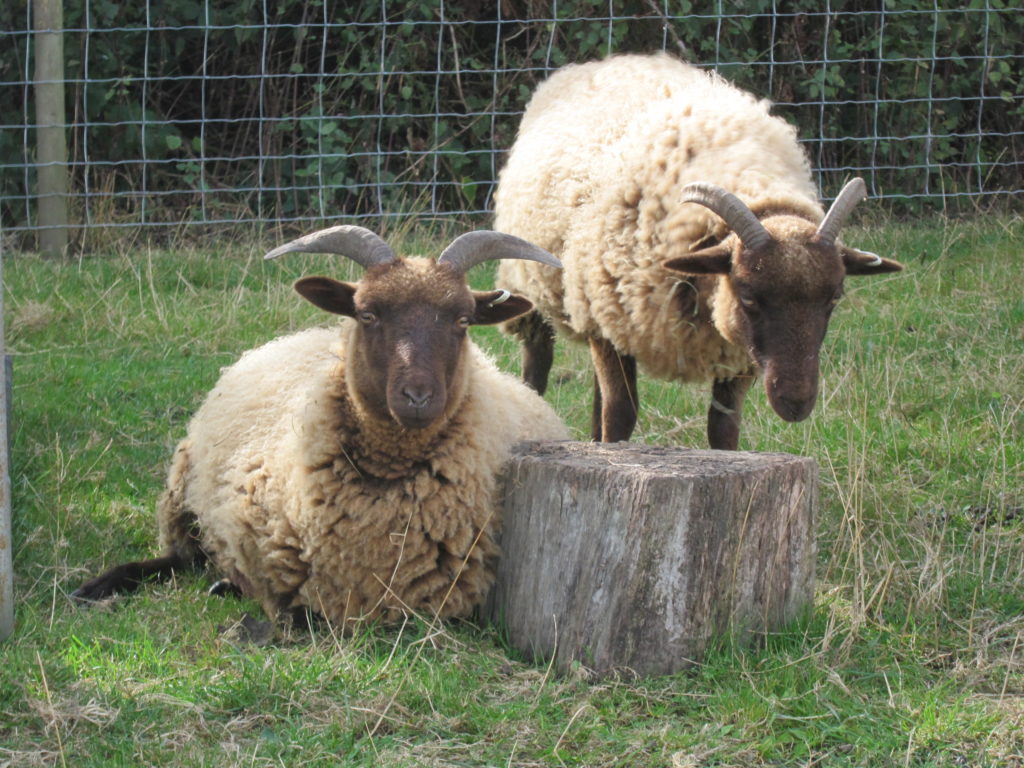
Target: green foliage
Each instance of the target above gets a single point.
(421, 103)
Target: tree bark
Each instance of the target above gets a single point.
(623, 555)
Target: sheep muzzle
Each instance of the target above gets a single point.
(792, 393)
(416, 402)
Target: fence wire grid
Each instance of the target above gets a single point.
(182, 114)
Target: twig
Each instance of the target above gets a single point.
(53, 714)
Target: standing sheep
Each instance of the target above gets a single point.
(608, 157)
(354, 474)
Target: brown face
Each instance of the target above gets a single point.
(410, 352)
(782, 314)
(409, 345)
(776, 302)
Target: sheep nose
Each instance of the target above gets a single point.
(417, 398)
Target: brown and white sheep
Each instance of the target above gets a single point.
(354, 474)
(609, 158)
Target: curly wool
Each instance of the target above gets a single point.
(302, 499)
(595, 177)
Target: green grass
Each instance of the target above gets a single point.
(913, 655)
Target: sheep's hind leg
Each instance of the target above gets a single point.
(538, 340)
(616, 401)
(130, 576)
(179, 535)
(725, 411)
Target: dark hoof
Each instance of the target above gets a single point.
(100, 588)
(85, 595)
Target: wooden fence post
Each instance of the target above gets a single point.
(634, 556)
(51, 137)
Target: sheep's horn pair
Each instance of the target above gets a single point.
(474, 248)
(745, 224)
(368, 249)
(364, 247)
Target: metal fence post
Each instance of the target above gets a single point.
(6, 543)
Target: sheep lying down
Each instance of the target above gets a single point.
(353, 473)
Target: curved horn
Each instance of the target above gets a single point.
(733, 211)
(851, 194)
(474, 248)
(357, 243)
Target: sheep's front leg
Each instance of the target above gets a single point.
(725, 411)
(616, 402)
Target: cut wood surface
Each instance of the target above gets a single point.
(633, 556)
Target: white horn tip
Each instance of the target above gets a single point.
(505, 296)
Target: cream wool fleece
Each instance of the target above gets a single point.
(595, 177)
(301, 499)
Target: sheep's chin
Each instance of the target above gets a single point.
(413, 420)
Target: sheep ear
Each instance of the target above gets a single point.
(329, 295)
(716, 260)
(498, 306)
(866, 263)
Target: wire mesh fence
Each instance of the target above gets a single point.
(187, 114)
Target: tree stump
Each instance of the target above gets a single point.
(624, 555)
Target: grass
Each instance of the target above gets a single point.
(911, 657)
